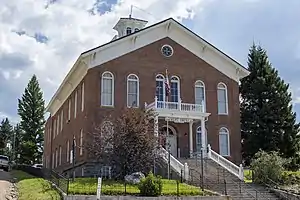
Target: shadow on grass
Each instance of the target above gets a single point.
(18, 176)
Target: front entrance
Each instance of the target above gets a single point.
(171, 140)
(199, 140)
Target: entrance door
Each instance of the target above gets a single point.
(199, 140)
(171, 139)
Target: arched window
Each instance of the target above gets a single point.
(200, 93)
(160, 87)
(199, 139)
(222, 99)
(224, 144)
(132, 91)
(128, 30)
(175, 89)
(136, 29)
(107, 89)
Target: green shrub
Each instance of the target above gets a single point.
(290, 178)
(150, 186)
(267, 167)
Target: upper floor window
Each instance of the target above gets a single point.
(222, 99)
(200, 93)
(61, 120)
(175, 89)
(128, 30)
(69, 110)
(75, 104)
(132, 91)
(82, 97)
(224, 144)
(160, 87)
(107, 89)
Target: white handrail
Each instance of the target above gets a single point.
(230, 166)
(174, 163)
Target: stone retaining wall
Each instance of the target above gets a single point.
(82, 197)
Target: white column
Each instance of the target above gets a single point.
(191, 138)
(156, 126)
(203, 136)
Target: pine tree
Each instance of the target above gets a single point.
(267, 119)
(17, 141)
(31, 110)
(6, 131)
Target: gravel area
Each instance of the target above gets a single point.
(7, 189)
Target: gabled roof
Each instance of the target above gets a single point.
(121, 46)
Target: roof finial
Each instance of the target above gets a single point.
(130, 11)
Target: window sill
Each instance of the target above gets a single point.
(107, 106)
(223, 114)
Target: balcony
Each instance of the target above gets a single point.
(177, 109)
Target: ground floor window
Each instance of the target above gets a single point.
(224, 144)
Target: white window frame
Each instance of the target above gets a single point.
(222, 86)
(136, 80)
(56, 157)
(82, 96)
(57, 124)
(112, 88)
(200, 84)
(75, 104)
(160, 77)
(224, 131)
(68, 150)
(61, 120)
(69, 109)
(59, 155)
(81, 142)
(175, 79)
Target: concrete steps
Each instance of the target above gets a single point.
(220, 180)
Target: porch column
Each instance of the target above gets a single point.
(203, 136)
(191, 138)
(156, 126)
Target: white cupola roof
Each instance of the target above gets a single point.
(126, 26)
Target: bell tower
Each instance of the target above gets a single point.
(126, 26)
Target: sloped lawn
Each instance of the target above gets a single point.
(32, 188)
(88, 186)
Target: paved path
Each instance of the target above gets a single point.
(4, 184)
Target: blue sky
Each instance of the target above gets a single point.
(46, 37)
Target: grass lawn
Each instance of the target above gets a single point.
(88, 186)
(30, 187)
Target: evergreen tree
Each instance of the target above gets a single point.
(31, 108)
(6, 131)
(267, 119)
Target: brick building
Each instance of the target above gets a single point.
(203, 107)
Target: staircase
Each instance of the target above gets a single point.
(219, 175)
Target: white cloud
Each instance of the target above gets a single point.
(70, 30)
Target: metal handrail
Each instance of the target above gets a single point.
(238, 184)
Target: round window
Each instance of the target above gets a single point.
(167, 50)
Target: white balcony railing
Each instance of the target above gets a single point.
(167, 105)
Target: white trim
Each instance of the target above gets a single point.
(164, 87)
(62, 120)
(69, 109)
(68, 150)
(81, 142)
(172, 129)
(178, 85)
(138, 89)
(167, 45)
(226, 97)
(82, 96)
(112, 88)
(168, 28)
(59, 155)
(224, 131)
(204, 91)
(75, 103)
